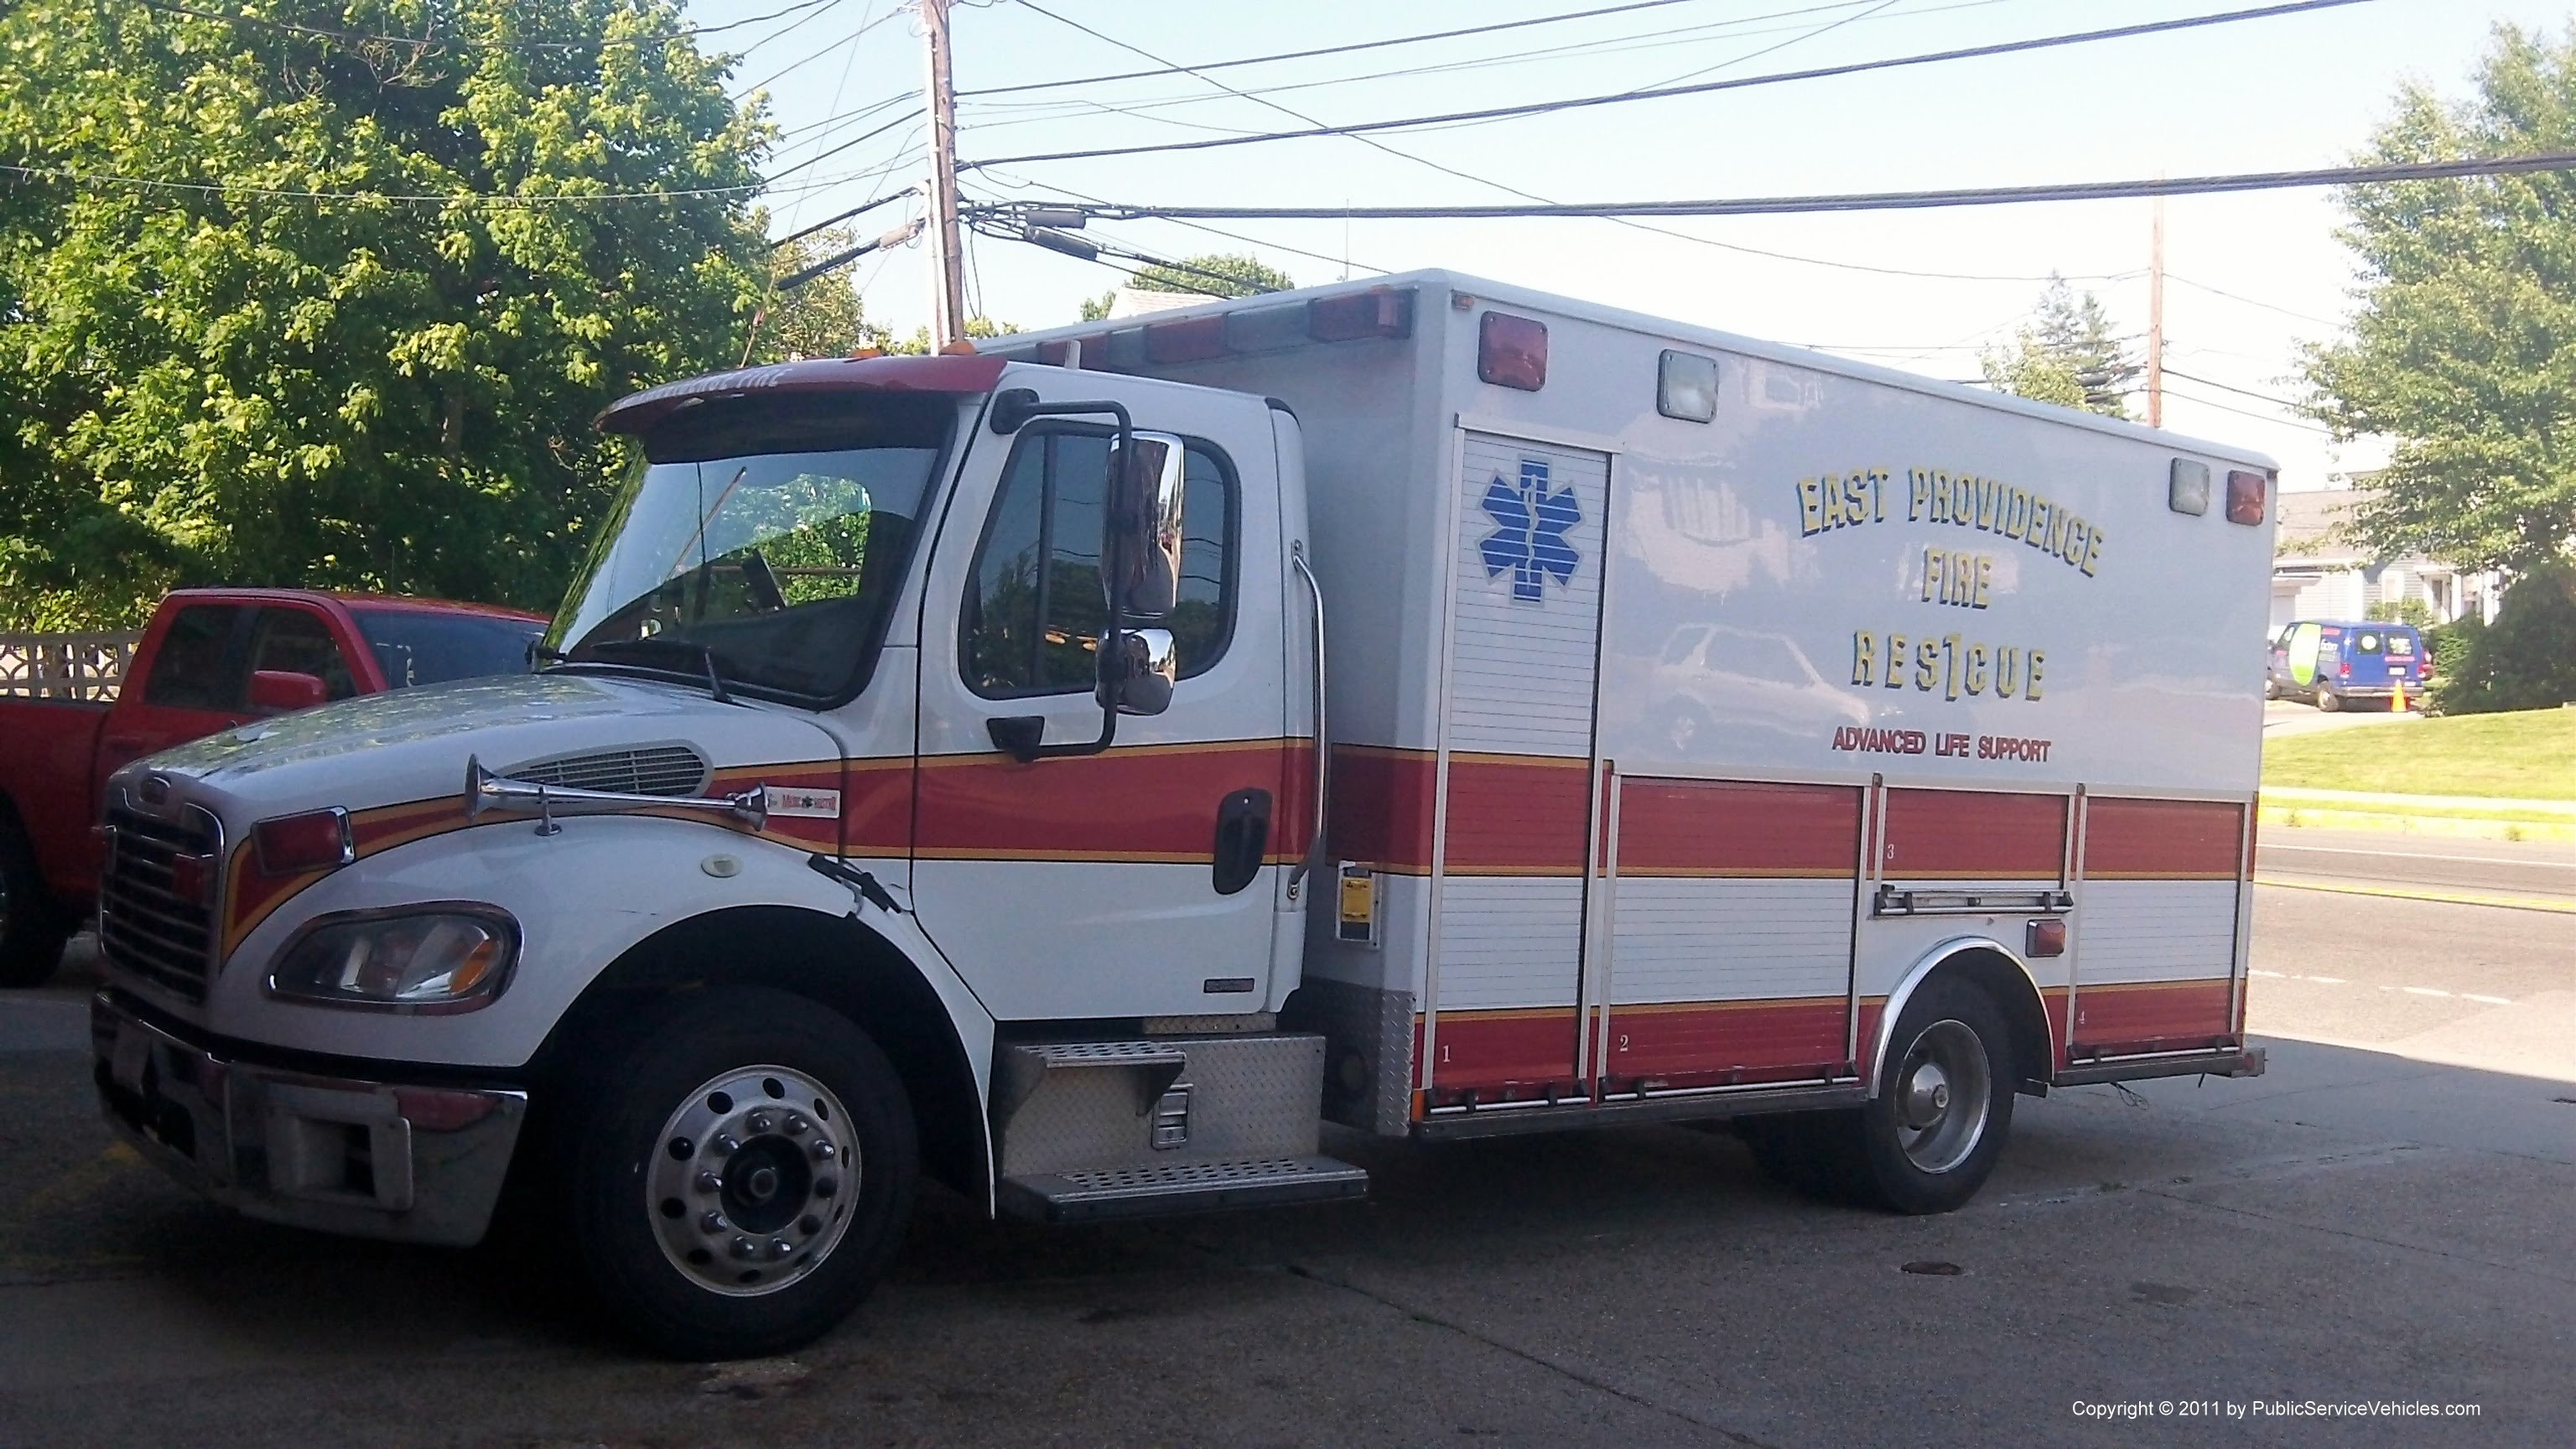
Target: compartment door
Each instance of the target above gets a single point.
(1521, 656)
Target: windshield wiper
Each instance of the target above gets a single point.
(704, 654)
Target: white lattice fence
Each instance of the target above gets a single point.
(66, 666)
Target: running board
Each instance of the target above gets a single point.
(2232, 1062)
(1179, 1187)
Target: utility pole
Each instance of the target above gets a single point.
(947, 273)
(2156, 320)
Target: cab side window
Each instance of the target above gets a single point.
(1034, 610)
(190, 670)
(300, 643)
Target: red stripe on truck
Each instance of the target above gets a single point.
(2163, 839)
(1974, 835)
(2124, 1018)
(1737, 828)
(1712, 1043)
(1517, 815)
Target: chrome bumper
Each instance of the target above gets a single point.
(362, 1158)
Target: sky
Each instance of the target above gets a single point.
(2251, 277)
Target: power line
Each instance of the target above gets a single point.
(1169, 68)
(1062, 190)
(1888, 200)
(862, 209)
(2247, 413)
(902, 120)
(1496, 113)
(1532, 196)
(2249, 301)
(2240, 392)
(1604, 45)
(805, 60)
(359, 37)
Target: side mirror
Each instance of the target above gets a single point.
(1145, 512)
(282, 691)
(1145, 670)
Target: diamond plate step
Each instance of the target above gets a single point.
(1025, 1065)
(1180, 1187)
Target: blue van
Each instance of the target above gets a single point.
(2330, 662)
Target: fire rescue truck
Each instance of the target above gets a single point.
(1081, 769)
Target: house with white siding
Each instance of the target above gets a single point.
(2319, 572)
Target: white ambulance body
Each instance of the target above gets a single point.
(1716, 730)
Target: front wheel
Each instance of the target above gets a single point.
(2271, 689)
(741, 1170)
(32, 929)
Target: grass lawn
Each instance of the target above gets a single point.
(2529, 755)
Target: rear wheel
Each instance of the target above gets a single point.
(2328, 700)
(741, 1170)
(1927, 1141)
(32, 926)
(1944, 1103)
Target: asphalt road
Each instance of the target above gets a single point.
(2384, 1217)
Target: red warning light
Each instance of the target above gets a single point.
(1512, 351)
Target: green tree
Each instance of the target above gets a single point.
(255, 357)
(1217, 274)
(2066, 354)
(2463, 348)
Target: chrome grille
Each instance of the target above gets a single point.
(148, 930)
(651, 770)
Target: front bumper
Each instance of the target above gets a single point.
(368, 1159)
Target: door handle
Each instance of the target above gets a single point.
(1242, 839)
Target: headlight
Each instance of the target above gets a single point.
(437, 958)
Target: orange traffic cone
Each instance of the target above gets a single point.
(2397, 701)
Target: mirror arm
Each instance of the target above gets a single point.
(1011, 410)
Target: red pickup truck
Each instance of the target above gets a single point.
(210, 659)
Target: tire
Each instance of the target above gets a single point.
(1944, 1106)
(2327, 700)
(2271, 688)
(703, 1252)
(1871, 1155)
(33, 927)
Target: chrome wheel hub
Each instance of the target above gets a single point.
(750, 1184)
(1943, 1091)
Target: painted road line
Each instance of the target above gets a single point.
(2563, 907)
(2410, 990)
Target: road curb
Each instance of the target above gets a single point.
(2452, 827)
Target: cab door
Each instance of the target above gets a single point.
(198, 683)
(1138, 881)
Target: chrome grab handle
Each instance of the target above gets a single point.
(1323, 746)
(485, 792)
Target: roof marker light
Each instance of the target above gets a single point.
(1512, 351)
(1686, 387)
(2187, 491)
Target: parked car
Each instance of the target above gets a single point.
(2331, 663)
(211, 659)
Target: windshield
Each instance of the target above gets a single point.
(415, 646)
(762, 540)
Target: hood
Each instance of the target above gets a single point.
(412, 744)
